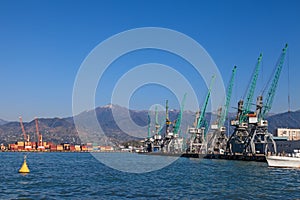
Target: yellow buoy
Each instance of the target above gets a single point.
(24, 168)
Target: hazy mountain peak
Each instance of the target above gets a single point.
(2, 122)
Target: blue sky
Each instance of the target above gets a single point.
(43, 44)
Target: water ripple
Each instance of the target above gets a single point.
(81, 176)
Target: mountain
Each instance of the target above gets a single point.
(284, 120)
(2, 122)
(116, 125)
(56, 130)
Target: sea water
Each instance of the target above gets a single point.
(81, 176)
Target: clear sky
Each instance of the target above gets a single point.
(43, 43)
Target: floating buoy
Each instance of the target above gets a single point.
(24, 168)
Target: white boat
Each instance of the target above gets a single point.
(289, 160)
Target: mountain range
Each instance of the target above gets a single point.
(60, 130)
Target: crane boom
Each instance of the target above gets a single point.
(157, 125)
(156, 116)
(40, 140)
(23, 129)
(249, 98)
(250, 91)
(149, 122)
(228, 98)
(203, 110)
(178, 121)
(271, 92)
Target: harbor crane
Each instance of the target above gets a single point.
(251, 137)
(218, 140)
(198, 132)
(149, 123)
(250, 93)
(149, 140)
(173, 142)
(168, 122)
(157, 125)
(26, 137)
(179, 119)
(241, 131)
(39, 135)
(272, 90)
(157, 139)
(260, 135)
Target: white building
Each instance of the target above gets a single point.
(289, 133)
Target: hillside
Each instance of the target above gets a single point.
(2, 122)
(284, 120)
(59, 130)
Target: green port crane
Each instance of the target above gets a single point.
(157, 125)
(201, 120)
(149, 123)
(224, 112)
(250, 91)
(271, 92)
(178, 121)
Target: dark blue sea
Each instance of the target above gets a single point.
(81, 176)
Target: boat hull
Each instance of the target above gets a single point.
(283, 161)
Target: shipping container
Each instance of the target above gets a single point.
(84, 148)
(72, 148)
(59, 147)
(89, 145)
(53, 147)
(66, 146)
(21, 144)
(109, 148)
(96, 148)
(21, 148)
(77, 148)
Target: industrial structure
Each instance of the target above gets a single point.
(29, 144)
(251, 136)
(250, 139)
(198, 140)
(171, 141)
(218, 140)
